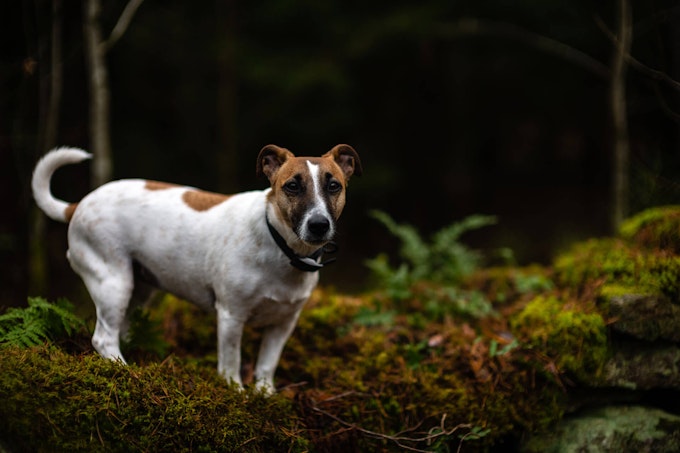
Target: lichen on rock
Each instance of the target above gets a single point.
(612, 429)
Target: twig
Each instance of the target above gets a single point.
(342, 395)
(292, 386)
(399, 439)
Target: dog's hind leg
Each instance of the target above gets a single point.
(110, 282)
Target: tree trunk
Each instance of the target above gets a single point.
(50, 98)
(100, 139)
(227, 156)
(620, 177)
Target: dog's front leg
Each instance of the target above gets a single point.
(229, 333)
(273, 341)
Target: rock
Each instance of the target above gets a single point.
(639, 367)
(619, 429)
(647, 317)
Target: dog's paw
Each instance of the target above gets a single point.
(265, 387)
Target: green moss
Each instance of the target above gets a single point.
(657, 227)
(572, 338)
(389, 377)
(345, 385)
(186, 328)
(504, 285)
(53, 401)
(591, 264)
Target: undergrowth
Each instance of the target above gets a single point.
(432, 271)
(418, 364)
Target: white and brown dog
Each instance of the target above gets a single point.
(253, 257)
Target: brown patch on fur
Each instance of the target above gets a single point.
(199, 200)
(69, 211)
(157, 185)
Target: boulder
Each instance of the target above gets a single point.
(619, 429)
(647, 317)
(643, 367)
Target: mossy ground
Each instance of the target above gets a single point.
(361, 373)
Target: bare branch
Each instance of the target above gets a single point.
(473, 27)
(442, 431)
(634, 62)
(122, 24)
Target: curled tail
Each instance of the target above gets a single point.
(55, 209)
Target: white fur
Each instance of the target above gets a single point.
(55, 209)
(318, 207)
(223, 258)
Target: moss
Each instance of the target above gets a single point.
(504, 285)
(389, 377)
(657, 227)
(574, 339)
(345, 385)
(188, 329)
(53, 401)
(591, 264)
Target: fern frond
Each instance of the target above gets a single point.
(39, 322)
(444, 261)
(413, 248)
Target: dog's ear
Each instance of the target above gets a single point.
(270, 159)
(347, 159)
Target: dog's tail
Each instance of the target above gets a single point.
(55, 209)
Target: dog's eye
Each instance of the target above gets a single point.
(334, 187)
(292, 187)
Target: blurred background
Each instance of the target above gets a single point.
(509, 108)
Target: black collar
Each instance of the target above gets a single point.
(304, 263)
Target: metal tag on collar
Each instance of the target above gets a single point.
(310, 264)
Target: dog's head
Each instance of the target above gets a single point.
(308, 193)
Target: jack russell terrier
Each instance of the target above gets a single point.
(253, 256)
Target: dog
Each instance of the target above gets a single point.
(253, 257)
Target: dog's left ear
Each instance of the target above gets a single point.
(270, 159)
(347, 159)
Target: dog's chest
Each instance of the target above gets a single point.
(276, 299)
(270, 311)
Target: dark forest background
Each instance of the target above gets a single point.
(455, 107)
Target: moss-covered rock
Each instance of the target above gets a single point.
(645, 317)
(657, 228)
(621, 429)
(572, 337)
(53, 401)
(640, 366)
(613, 266)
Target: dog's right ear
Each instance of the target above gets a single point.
(270, 159)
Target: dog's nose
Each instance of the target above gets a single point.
(318, 225)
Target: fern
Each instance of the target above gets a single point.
(41, 321)
(443, 260)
